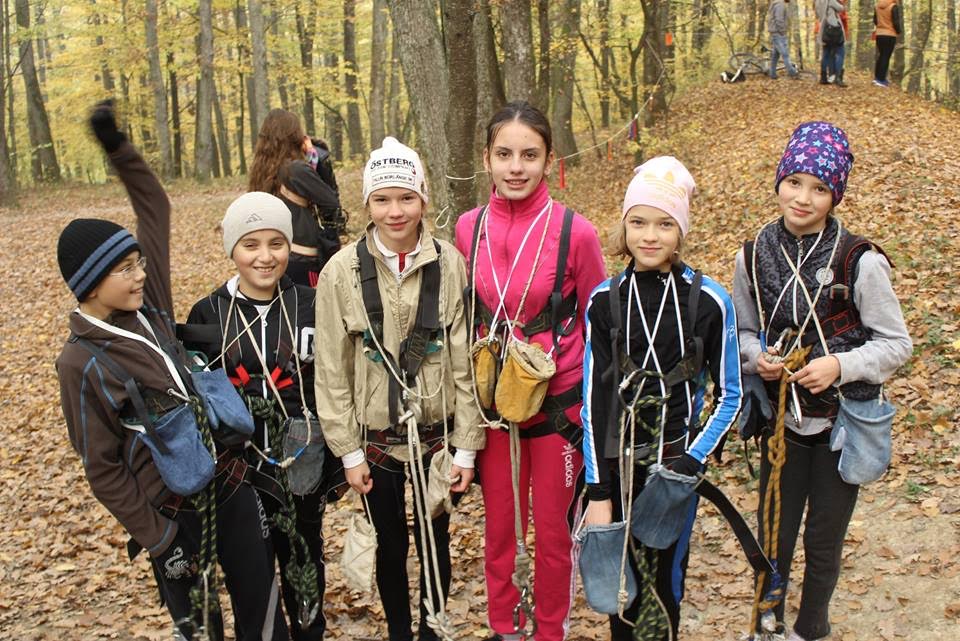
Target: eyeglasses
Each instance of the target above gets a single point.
(130, 270)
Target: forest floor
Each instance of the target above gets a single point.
(63, 568)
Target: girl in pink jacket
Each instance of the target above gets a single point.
(515, 245)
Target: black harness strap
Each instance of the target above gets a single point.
(751, 548)
(413, 348)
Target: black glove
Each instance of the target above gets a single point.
(104, 124)
(181, 560)
(686, 465)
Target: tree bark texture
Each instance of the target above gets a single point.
(223, 135)
(45, 166)
(953, 52)
(157, 88)
(702, 25)
(518, 64)
(177, 132)
(395, 116)
(563, 69)
(655, 72)
(866, 50)
(421, 54)
(260, 95)
(350, 72)
(603, 16)
(333, 121)
(542, 99)
(306, 30)
(458, 22)
(919, 37)
(203, 140)
(378, 71)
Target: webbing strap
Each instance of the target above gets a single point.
(558, 308)
(130, 385)
(414, 347)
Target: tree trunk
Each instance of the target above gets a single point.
(395, 117)
(518, 64)
(260, 95)
(9, 107)
(350, 71)
(796, 37)
(105, 76)
(953, 53)
(203, 150)
(563, 70)
(425, 70)
(223, 135)
(175, 117)
(160, 119)
(866, 50)
(755, 26)
(542, 98)
(462, 115)
(333, 121)
(45, 165)
(702, 25)
(306, 29)
(919, 37)
(378, 70)
(603, 15)
(7, 190)
(655, 73)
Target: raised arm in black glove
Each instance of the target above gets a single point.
(103, 121)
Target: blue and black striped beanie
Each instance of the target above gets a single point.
(88, 249)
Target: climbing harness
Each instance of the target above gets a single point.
(405, 394)
(300, 572)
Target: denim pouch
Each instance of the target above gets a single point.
(229, 417)
(185, 464)
(601, 548)
(660, 512)
(305, 445)
(862, 433)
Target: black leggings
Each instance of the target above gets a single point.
(246, 556)
(389, 514)
(809, 479)
(885, 47)
(671, 571)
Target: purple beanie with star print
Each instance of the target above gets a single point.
(819, 149)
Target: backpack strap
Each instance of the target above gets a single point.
(612, 375)
(413, 348)
(844, 314)
(481, 314)
(692, 361)
(129, 385)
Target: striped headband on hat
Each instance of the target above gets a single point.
(88, 249)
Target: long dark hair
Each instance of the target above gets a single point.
(280, 141)
(525, 113)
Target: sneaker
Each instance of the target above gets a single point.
(881, 83)
(831, 78)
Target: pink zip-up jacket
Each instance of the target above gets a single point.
(507, 223)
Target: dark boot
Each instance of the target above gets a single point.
(823, 76)
(839, 81)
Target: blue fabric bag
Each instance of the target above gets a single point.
(862, 433)
(601, 547)
(756, 411)
(185, 464)
(229, 417)
(305, 445)
(660, 512)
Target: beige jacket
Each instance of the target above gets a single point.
(352, 388)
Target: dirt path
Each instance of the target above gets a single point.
(63, 571)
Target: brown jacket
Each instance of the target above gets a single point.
(884, 18)
(118, 466)
(352, 389)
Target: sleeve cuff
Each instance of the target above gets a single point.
(598, 491)
(465, 459)
(353, 459)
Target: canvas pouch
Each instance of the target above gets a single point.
(304, 443)
(359, 553)
(485, 353)
(523, 381)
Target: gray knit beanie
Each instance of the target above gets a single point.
(254, 211)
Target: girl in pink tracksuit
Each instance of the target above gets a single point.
(518, 156)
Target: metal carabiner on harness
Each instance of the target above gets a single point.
(525, 604)
(311, 613)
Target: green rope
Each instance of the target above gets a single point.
(205, 607)
(301, 572)
(651, 623)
